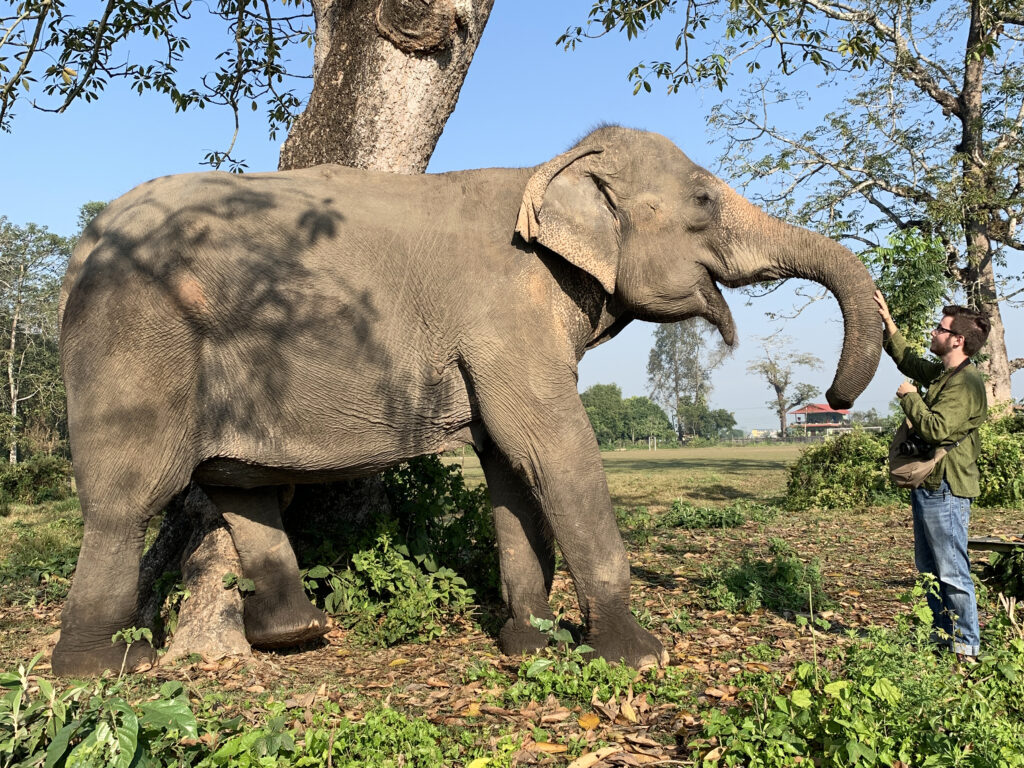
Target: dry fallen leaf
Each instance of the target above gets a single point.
(589, 721)
(592, 758)
(549, 747)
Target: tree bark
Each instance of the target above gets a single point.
(978, 279)
(387, 74)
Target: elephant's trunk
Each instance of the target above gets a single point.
(815, 257)
(772, 250)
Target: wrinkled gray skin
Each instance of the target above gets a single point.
(245, 332)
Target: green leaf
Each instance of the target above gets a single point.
(836, 689)
(169, 715)
(538, 666)
(801, 697)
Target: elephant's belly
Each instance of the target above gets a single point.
(252, 472)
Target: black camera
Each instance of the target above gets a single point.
(916, 446)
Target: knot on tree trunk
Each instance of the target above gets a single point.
(417, 26)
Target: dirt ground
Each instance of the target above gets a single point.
(865, 557)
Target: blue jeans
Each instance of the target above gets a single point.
(940, 548)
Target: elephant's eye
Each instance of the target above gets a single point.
(703, 199)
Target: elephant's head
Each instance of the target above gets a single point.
(660, 233)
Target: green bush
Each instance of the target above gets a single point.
(35, 480)
(851, 470)
(1001, 462)
(387, 597)
(399, 574)
(843, 472)
(884, 697)
(686, 515)
(783, 583)
(104, 724)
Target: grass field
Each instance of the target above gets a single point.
(479, 706)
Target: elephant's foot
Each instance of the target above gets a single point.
(109, 658)
(275, 623)
(517, 639)
(617, 637)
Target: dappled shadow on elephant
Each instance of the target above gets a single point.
(248, 332)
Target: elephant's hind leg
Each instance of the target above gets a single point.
(278, 614)
(116, 508)
(526, 555)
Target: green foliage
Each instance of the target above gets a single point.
(696, 419)
(885, 697)
(388, 597)
(686, 515)
(782, 583)
(563, 670)
(911, 273)
(851, 470)
(103, 725)
(636, 524)
(399, 575)
(1004, 572)
(36, 480)
(42, 556)
(76, 57)
(845, 471)
(90, 725)
(1001, 463)
(616, 421)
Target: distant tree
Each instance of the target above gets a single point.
(776, 368)
(696, 419)
(603, 403)
(645, 420)
(32, 261)
(681, 362)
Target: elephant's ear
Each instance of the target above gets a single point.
(565, 210)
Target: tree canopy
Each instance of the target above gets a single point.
(920, 130)
(776, 367)
(51, 56)
(617, 421)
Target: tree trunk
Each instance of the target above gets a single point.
(978, 278)
(386, 76)
(12, 383)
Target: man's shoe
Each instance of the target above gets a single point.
(966, 660)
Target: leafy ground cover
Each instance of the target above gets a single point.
(788, 632)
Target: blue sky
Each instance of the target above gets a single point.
(525, 100)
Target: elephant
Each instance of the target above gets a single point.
(246, 332)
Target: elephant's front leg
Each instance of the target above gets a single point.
(526, 555)
(542, 429)
(278, 614)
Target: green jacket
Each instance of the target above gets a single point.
(948, 411)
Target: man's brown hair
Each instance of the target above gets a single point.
(971, 324)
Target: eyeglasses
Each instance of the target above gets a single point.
(940, 329)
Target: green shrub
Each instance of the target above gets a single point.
(388, 597)
(103, 724)
(1004, 572)
(686, 515)
(1001, 462)
(394, 569)
(843, 472)
(35, 480)
(885, 697)
(783, 583)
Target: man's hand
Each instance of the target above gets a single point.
(883, 310)
(905, 389)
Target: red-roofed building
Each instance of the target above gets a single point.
(819, 418)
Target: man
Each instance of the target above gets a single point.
(949, 413)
